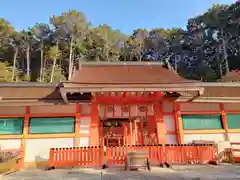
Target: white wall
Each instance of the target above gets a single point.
(235, 137)
(10, 144)
(188, 138)
(169, 122)
(85, 125)
(171, 139)
(84, 141)
(38, 149)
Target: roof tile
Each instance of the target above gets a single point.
(116, 74)
(231, 76)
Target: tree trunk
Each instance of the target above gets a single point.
(97, 56)
(14, 63)
(41, 66)
(53, 69)
(175, 62)
(219, 61)
(167, 62)
(23, 64)
(54, 65)
(28, 60)
(225, 54)
(70, 64)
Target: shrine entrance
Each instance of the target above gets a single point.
(128, 124)
(128, 131)
(113, 131)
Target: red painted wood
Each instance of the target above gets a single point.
(94, 156)
(83, 157)
(127, 100)
(175, 154)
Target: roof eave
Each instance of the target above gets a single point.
(210, 100)
(28, 85)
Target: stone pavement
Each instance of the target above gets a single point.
(194, 172)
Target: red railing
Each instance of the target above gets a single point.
(94, 156)
(80, 156)
(173, 154)
(235, 151)
(116, 155)
(189, 154)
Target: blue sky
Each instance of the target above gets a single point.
(125, 15)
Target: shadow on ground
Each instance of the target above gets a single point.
(194, 172)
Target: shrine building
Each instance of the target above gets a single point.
(116, 104)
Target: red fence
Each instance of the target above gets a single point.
(94, 156)
(81, 157)
(116, 155)
(189, 154)
(173, 154)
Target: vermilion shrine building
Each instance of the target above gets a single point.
(115, 105)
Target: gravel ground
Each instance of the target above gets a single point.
(194, 172)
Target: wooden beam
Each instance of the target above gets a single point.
(125, 94)
(234, 130)
(213, 131)
(126, 100)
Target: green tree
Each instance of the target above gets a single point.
(41, 34)
(72, 26)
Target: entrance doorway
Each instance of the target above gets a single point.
(113, 131)
(125, 131)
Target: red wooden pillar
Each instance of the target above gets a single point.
(160, 126)
(77, 125)
(124, 126)
(139, 133)
(178, 123)
(131, 131)
(95, 123)
(224, 121)
(101, 139)
(25, 134)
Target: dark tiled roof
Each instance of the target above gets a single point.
(137, 74)
(232, 76)
(218, 91)
(31, 93)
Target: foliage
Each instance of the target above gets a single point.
(207, 50)
(58, 75)
(6, 72)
